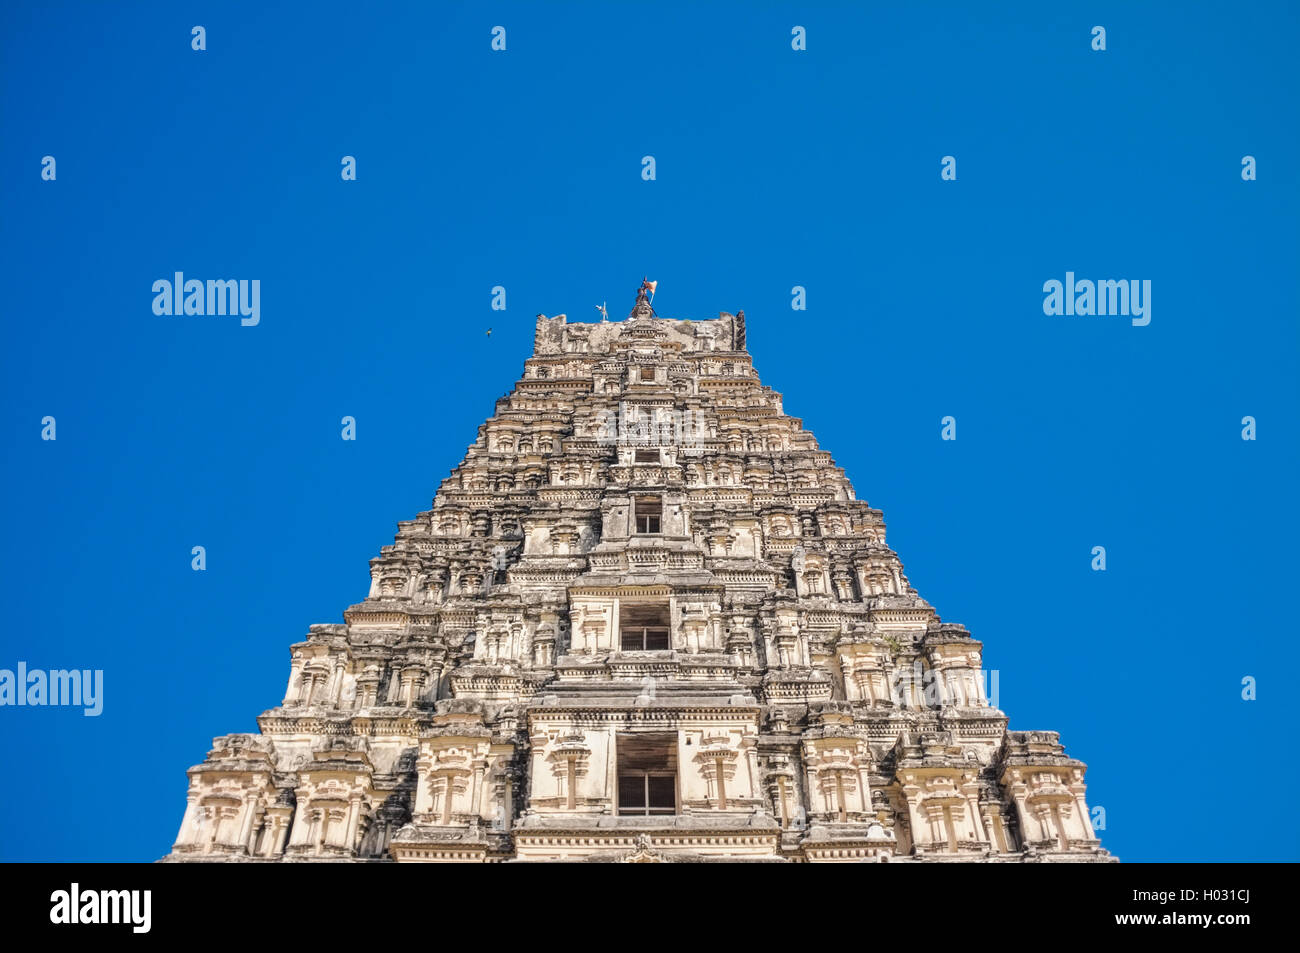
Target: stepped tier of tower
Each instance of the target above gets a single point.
(645, 619)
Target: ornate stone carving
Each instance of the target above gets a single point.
(616, 637)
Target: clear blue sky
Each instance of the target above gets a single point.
(775, 168)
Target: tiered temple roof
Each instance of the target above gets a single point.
(646, 618)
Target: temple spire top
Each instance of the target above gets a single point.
(645, 296)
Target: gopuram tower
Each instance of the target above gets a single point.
(646, 619)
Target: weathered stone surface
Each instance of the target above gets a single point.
(646, 589)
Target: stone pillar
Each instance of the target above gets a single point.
(340, 675)
(852, 689)
(271, 840)
(246, 822)
(1003, 836)
(950, 825)
(615, 633)
(282, 840)
(1027, 827)
(751, 757)
(295, 673)
(322, 816)
(301, 825)
(215, 818)
(1085, 817)
(823, 799)
(448, 792)
(474, 798)
(188, 832)
(354, 818)
(1062, 836)
(971, 791)
(914, 820)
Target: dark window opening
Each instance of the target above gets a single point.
(647, 373)
(644, 628)
(649, 512)
(647, 774)
(647, 456)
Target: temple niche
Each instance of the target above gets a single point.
(646, 619)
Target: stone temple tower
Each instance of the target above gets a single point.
(646, 619)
